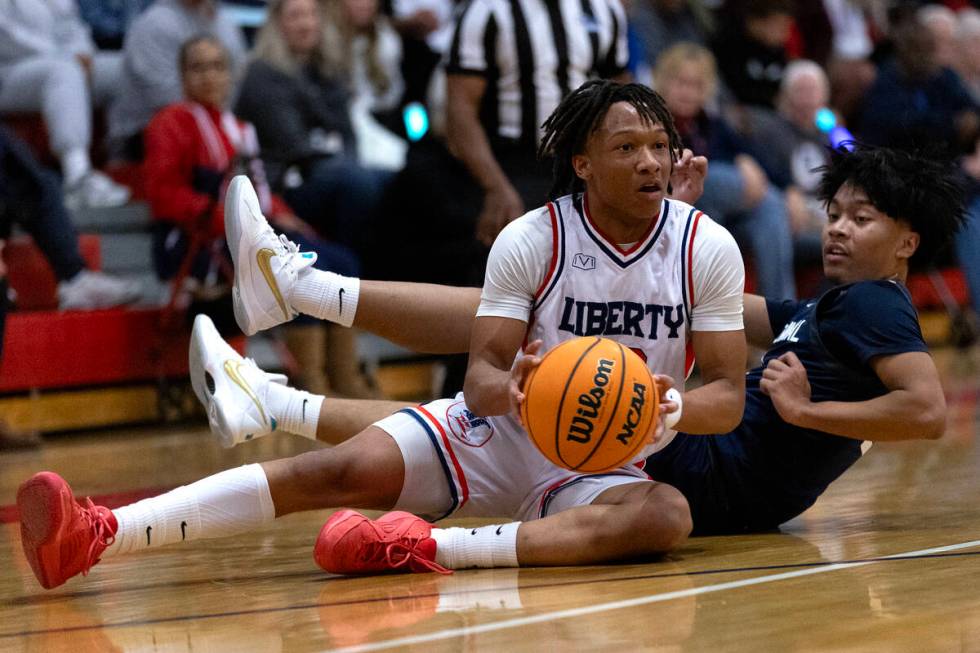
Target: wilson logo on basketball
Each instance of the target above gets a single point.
(466, 427)
(590, 403)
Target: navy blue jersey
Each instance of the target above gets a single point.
(766, 471)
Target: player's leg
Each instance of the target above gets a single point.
(63, 537)
(586, 518)
(243, 402)
(590, 520)
(626, 521)
(274, 281)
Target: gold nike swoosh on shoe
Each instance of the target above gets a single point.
(263, 256)
(232, 370)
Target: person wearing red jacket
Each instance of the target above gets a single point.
(193, 148)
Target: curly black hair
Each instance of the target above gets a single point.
(579, 115)
(924, 191)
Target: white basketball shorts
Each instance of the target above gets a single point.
(462, 465)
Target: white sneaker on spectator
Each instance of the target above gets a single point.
(95, 191)
(266, 265)
(90, 290)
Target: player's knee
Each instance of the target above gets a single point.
(321, 472)
(676, 517)
(664, 522)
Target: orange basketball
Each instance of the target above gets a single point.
(590, 405)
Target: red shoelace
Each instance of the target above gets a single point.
(397, 554)
(99, 523)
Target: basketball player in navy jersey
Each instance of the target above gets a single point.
(652, 271)
(842, 370)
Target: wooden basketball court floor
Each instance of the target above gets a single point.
(887, 560)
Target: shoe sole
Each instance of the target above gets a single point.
(233, 235)
(204, 331)
(42, 512)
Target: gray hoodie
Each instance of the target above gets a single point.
(151, 78)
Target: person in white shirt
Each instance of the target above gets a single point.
(49, 64)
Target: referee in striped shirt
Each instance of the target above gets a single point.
(510, 64)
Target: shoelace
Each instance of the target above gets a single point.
(393, 550)
(99, 523)
(409, 554)
(288, 245)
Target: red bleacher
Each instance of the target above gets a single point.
(46, 348)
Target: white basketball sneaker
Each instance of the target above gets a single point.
(266, 264)
(232, 389)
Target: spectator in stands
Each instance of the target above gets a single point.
(362, 44)
(193, 149)
(307, 135)
(918, 104)
(941, 22)
(659, 24)
(967, 324)
(8, 438)
(968, 48)
(48, 63)
(30, 196)
(836, 35)
(110, 20)
(150, 79)
(915, 102)
(789, 147)
(426, 28)
(737, 192)
(750, 48)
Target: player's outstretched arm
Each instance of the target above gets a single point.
(758, 329)
(423, 317)
(716, 406)
(914, 407)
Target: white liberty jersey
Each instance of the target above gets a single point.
(640, 296)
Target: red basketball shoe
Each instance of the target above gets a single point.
(350, 543)
(61, 536)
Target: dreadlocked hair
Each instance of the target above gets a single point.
(922, 190)
(579, 115)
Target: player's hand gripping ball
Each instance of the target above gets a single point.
(591, 404)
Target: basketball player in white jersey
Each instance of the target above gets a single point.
(619, 259)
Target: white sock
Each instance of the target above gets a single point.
(326, 295)
(233, 501)
(487, 546)
(296, 411)
(75, 164)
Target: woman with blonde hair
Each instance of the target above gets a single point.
(737, 192)
(297, 95)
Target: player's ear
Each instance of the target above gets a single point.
(908, 245)
(582, 166)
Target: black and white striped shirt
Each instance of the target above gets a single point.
(533, 53)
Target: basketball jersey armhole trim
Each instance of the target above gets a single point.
(687, 261)
(557, 256)
(687, 281)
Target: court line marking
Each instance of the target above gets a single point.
(17, 602)
(631, 603)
